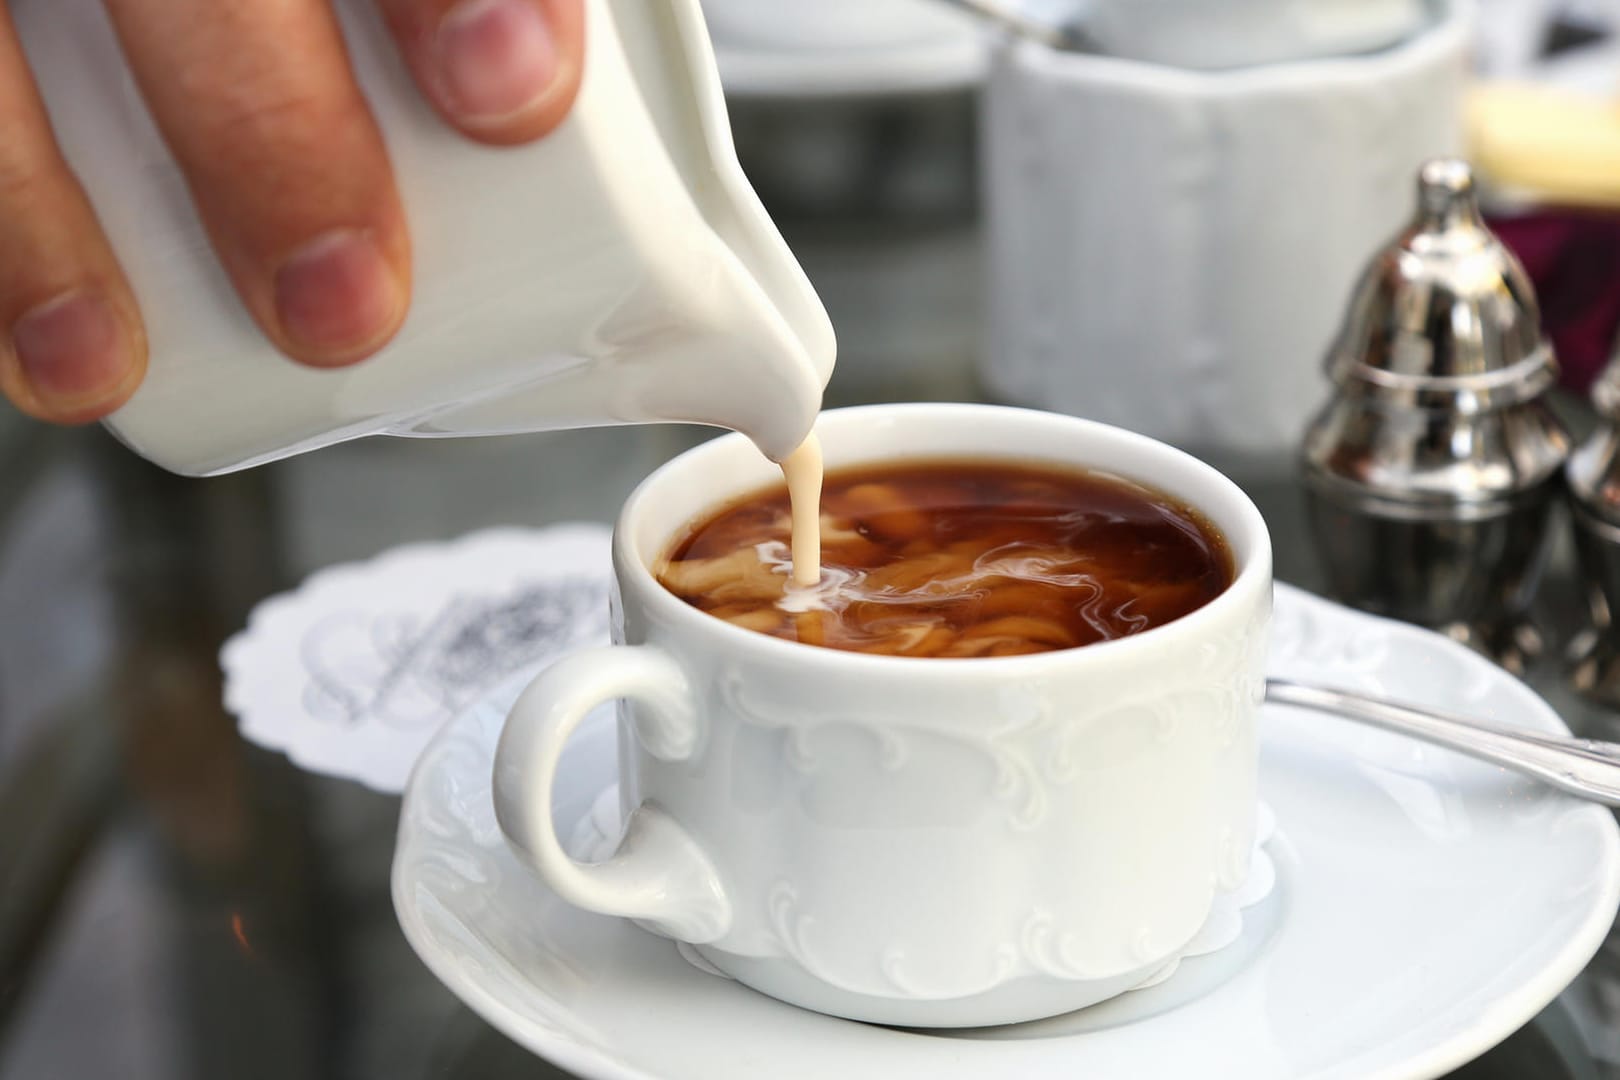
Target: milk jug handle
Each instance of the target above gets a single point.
(659, 875)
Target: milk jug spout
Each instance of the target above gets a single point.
(620, 270)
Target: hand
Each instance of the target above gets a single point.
(286, 167)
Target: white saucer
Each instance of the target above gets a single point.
(1425, 907)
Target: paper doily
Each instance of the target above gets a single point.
(353, 672)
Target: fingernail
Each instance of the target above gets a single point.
(337, 293)
(73, 348)
(495, 58)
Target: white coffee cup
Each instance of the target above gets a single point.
(926, 842)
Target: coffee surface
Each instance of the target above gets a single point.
(956, 559)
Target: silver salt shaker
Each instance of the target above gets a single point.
(1593, 476)
(1431, 472)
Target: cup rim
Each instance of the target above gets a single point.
(1254, 574)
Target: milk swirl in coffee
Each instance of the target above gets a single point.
(951, 559)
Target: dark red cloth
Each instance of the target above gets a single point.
(1573, 258)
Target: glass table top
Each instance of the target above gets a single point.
(180, 904)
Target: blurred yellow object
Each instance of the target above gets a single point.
(1555, 145)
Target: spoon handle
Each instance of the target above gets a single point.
(1010, 14)
(1584, 767)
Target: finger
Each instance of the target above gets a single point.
(284, 161)
(71, 344)
(502, 71)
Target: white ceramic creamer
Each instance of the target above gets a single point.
(620, 270)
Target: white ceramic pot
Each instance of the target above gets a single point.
(1240, 33)
(912, 841)
(1171, 250)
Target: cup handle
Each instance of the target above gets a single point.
(659, 875)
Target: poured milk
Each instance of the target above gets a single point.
(803, 471)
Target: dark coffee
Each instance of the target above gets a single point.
(957, 559)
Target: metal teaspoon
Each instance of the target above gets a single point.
(1585, 767)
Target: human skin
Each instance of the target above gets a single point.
(286, 168)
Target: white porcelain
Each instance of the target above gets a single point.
(1238, 33)
(619, 270)
(844, 48)
(1427, 905)
(821, 823)
(1171, 250)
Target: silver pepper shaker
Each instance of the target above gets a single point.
(1593, 476)
(1431, 472)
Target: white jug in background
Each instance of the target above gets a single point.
(619, 270)
(1171, 250)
